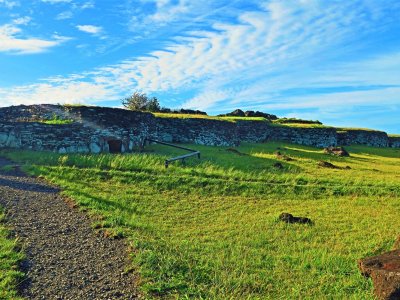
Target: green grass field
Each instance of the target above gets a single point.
(208, 229)
(9, 259)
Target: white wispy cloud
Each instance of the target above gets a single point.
(56, 1)
(13, 41)
(22, 21)
(72, 92)
(9, 4)
(73, 9)
(86, 5)
(91, 29)
(65, 15)
(167, 10)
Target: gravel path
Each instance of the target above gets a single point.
(66, 259)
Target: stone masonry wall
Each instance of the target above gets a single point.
(363, 137)
(255, 131)
(92, 130)
(198, 131)
(71, 138)
(394, 141)
(99, 129)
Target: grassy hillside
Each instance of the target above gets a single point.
(198, 116)
(209, 229)
(275, 123)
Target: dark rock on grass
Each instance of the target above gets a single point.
(325, 164)
(278, 166)
(337, 151)
(235, 151)
(289, 218)
(384, 270)
(281, 156)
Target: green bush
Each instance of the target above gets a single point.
(140, 101)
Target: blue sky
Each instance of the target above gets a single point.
(335, 61)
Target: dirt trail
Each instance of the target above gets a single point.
(66, 259)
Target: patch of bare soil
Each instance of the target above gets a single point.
(66, 258)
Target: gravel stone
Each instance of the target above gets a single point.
(65, 257)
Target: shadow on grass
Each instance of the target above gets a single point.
(375, 151)
(102, 203)
(24, 186)
(236, 158)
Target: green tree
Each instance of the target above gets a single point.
(137, 101)
(140, 101)
(153, 105)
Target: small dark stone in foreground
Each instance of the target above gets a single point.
(384, 270)
(289, 218)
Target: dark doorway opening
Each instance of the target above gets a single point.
(115, 146)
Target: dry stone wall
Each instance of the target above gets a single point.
(93, 130)
(197, 130)
(363, 137)
(98, 129)
(255, 131)
(394, 141)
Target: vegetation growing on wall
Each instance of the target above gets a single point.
(57, 120)
(296, 121)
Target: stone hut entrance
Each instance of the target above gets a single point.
(115, 146)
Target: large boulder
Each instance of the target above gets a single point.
(384, 270)
(237, 113)
(252, 113)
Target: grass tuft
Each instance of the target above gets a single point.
(10, 257)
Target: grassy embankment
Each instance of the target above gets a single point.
(9, 259)
(276, 123)
(198, 116)
(209, 229)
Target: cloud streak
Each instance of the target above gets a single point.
(11, 40)
(56, 1)
(9, 4)
(91, 29)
